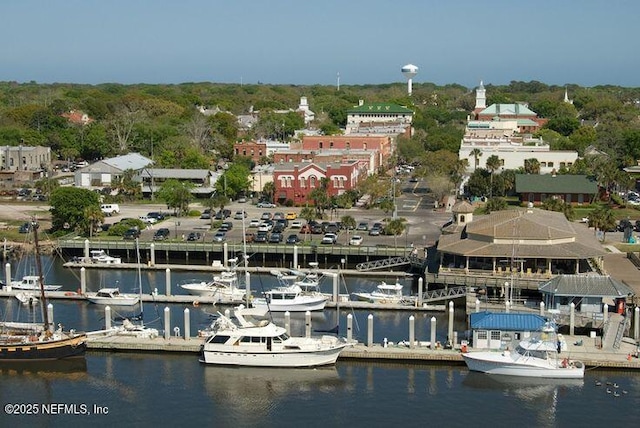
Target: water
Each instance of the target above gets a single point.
(175, 390)
(146, 389)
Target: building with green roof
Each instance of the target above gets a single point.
(379, 118)
(572, 189)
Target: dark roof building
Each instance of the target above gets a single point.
(572, 189)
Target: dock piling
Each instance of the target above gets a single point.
(152, 249)
(605, 313)
(295, 257)
(247, 286)
(433, 333)
(107, 317)
(307, 323)
(167, 323)
(7, 276)
(83, 280)
(420, 291)
(335, 283)
(541, 309)
(287, 322)
(86, 249)
(370, 330)
(572, 319)
(187, 324)
(349, 327)
(168, 282)
(412, 332)
(477, 305)
(225, 255)
(636, 323)
(52, 323)
(450, 326)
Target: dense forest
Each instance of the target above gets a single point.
(163, 121)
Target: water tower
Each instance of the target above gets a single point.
(409, 72)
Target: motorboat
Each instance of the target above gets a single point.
(224, 288)
(112, 297)
(292, 299)
(101, 256)
(249, 342)
(385, 293)
(534, 357)
(27, 298)
(32, 283)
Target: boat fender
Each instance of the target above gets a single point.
(69, 293)
(196, 303)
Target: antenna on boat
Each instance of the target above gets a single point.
(141, 316)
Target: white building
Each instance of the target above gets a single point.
(108, 171)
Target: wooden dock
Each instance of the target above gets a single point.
(587, 352)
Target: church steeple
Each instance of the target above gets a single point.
(481, 98)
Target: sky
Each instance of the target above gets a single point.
(557, 42)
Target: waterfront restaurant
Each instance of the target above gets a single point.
(529, 243)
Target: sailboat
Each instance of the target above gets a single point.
(24, 342)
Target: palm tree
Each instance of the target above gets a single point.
(269, 190)
(348, 222)
(603, 219)
(395, 227)
(493, 163)
(532, 166)
(93, 215)
(476, 153)
(309, 214)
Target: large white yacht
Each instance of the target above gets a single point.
(385, 293)
(112, 297)
(246, 342)
(224, 288)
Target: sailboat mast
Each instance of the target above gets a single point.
(45, 315)
(140, 281)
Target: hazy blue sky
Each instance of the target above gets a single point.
(587, 42)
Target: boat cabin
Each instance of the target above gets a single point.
(499, 330)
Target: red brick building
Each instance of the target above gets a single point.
(251, 149)
(366, 158)
(294, 181)
(382, 144)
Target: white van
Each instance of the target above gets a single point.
(110, 209)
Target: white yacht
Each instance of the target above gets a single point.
(112, 297)
(28, 298)
(32, 283)
(224, 288)
(264, 344)
(531, 358)
(384, 293)
(291, 298)
(101, 256)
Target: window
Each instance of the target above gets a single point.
(495, 335)
(330, 144)
(312, 181)
(219, 339)
(320, 144)
(550, 164)
(482, 335)
(348, 145)
(303, 182)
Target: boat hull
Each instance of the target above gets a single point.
(70, 347)
(119, 301)
(221, 295)
(315, 304)
(501, 364)
(283, 358)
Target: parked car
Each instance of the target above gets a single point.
(275, 238)
(242, 199)
(363, 225)
(278, 228)
(332, 228)
(261, 237)
(25, 227)
(194, 236)
(254, 222)
(220, 236)
(157, 215)
(226, 226)
(132, 233)
(148, 220)
(206, 214)
(266, 205)
(296, 224)
(266, 216)
(293, 239)
(291, 215)
(329, 238)
(278, 216)
(355, 240)
(374, 231)
(239, 215)
(161, 234)
(110, 209)
(265, 226)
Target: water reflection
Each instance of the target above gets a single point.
(250, 395)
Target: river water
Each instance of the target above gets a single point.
(143, 389)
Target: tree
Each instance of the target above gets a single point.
(395, 227)
(349, 223)
(216, 201)
(176, 195)
(309, 214)
(93, 216)
(476, 153)
(493, 163)
(495, 204)
(269, 190)
(532, 166)
(68, 207)
(558, 205)
(47, 186)
(234, 181)
(603, 219)
(320, 197)
(127, 186)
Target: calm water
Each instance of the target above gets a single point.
(175, 390)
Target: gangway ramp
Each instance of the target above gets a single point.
(390, 262)
(448, 293)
